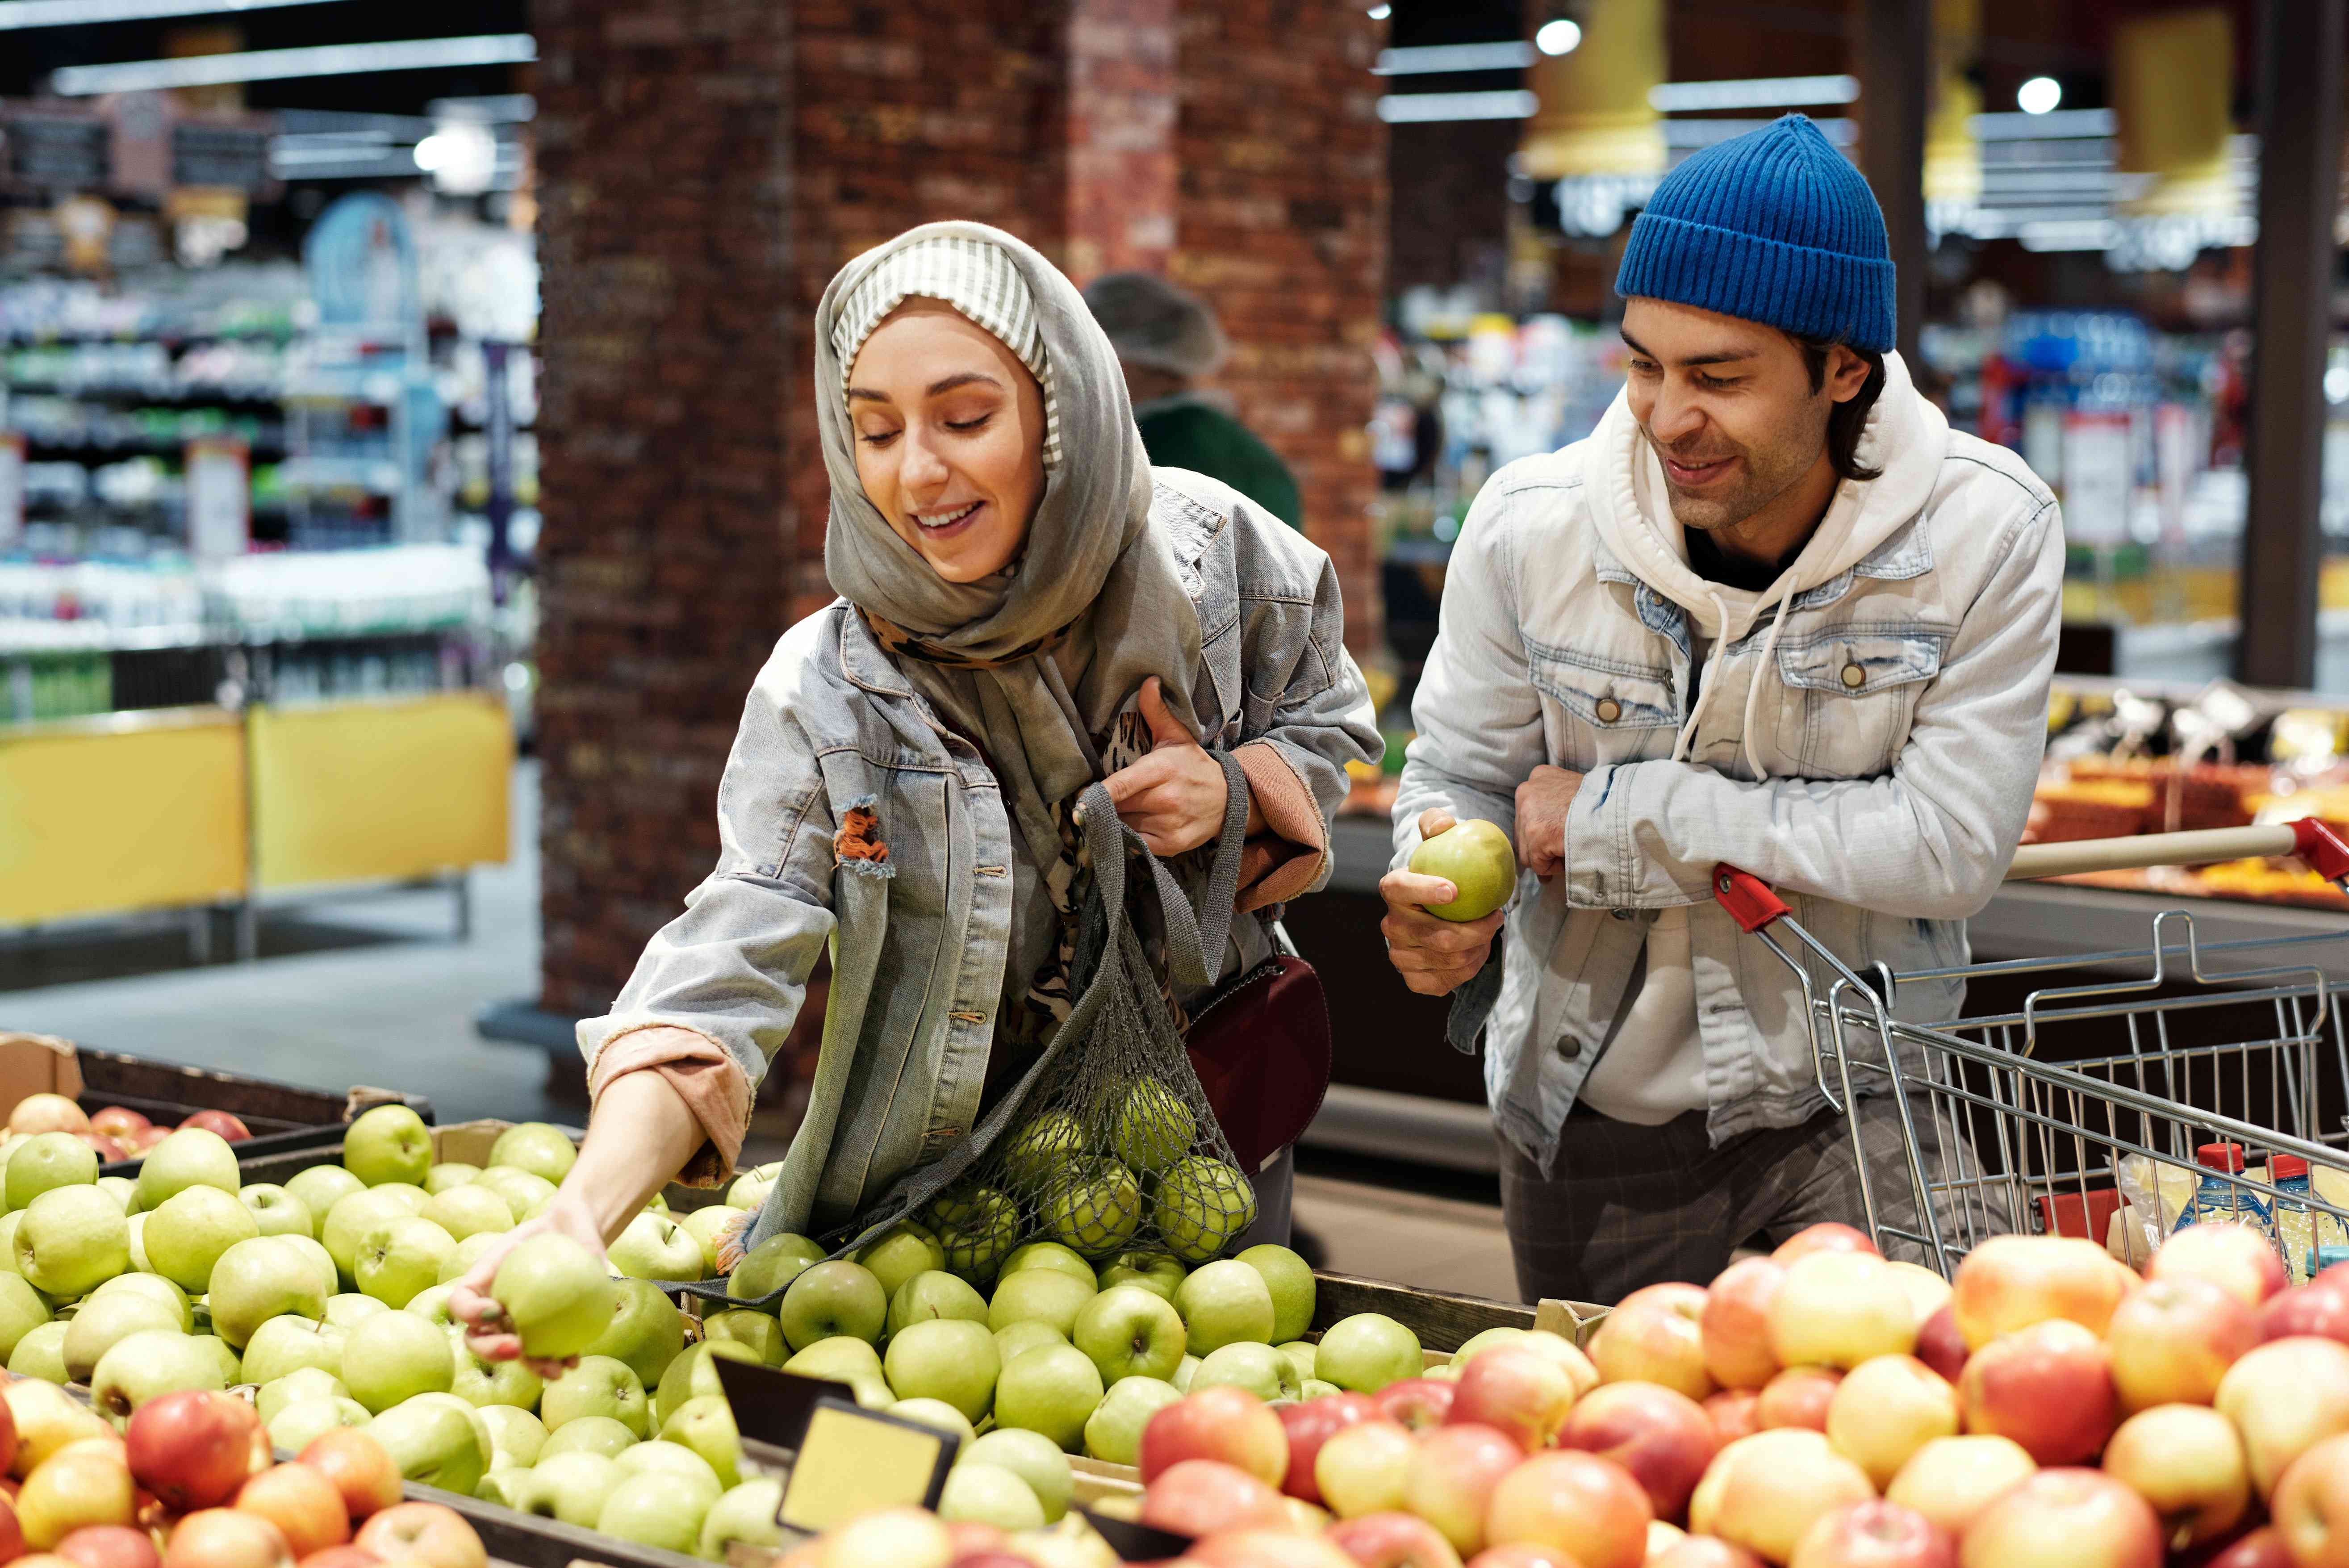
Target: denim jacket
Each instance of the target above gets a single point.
(919, 940)
(1871, 752)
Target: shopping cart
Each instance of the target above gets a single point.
(2193, 1043)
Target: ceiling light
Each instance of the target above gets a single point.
(1429, 108)
(1511, 55)
(280, 65)
(1381, 12)
(1557, 37)
(462, 156)
(2039, 94)
(1753, 92)
(20, 14)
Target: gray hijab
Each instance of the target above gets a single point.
(1036, 662)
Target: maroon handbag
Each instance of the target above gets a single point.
(1260, 1046)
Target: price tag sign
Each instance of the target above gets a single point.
(852, 1461)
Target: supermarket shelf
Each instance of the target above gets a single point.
(2041, 921)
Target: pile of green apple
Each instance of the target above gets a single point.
(1081, 1356)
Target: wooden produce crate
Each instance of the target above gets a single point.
(282, 1117)
(526, 1540)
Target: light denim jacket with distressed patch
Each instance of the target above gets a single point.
(920, 942)
(1899, 716)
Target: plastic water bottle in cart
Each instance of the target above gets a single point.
(2222, 1201)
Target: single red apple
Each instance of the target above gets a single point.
(2315, 1308)
(1313, 1422)
(110, 1546)
(1798, 1397)
(1826, 1237)
(145, 1138)
(1199, 1497)
(1418, 1402)
(12, 1533)
(108, 1150)
(1663, 1438)
(426, 1533)
(220, 1122)
(1875, 1535)
(1227, 1424)
(195, 1448)
(1394, 1540)
(303, 1502)
(360, 1469)
(1734, 1413)
(1588, 1507)
(224, 1538)
(117, 1122)
(1940, 1346)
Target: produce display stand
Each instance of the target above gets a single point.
(285, 1119)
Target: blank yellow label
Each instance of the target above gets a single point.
(851, 1464)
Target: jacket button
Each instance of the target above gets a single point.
(1609, 709)
(1853, 676)
(1568, 1050)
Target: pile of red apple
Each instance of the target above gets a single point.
(116, 1132)
(190, 1483)
(1823, 1409)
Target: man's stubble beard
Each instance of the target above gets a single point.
(1763, 481)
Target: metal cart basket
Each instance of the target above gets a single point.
(2193, 1042)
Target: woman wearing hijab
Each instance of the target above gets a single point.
(1026, 608)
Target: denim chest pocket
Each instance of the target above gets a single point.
(1851, 694)
(1598, 709)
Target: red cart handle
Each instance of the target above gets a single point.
(2320, 849)
(1748, 898)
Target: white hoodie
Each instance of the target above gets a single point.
(1864, 738)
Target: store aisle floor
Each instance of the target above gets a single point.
(1434, 1243)
(395, 1012)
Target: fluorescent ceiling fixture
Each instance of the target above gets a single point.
(2040, 95)
(1754, 92)
(1688, 133)
(279, 65)
(1427, 108)
(1509, 55)
(2065, 122)
(1557, 37)
(20, 14)
(2069, 235)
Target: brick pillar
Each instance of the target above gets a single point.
(707, 165)
(663, 158)
(1282, 226)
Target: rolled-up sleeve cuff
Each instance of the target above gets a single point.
(1286, 859)
(710, 1082)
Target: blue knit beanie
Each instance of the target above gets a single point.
(1775, 226)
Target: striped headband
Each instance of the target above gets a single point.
(981, 282)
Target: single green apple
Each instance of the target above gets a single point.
(101, 1323)
(1052, 1390)
(1203, 1205)
(754, 1330)
(934, 1292)
(191, 1156)
(489, 1383)
(121, 1188)
(304, 1422)
(283, 1345)
(645, 1330)
(988, 1495)
(1314, 1388)
(542, 1148)
(706, 1425)
(154, 1285)
(72, 1240)
(348, 1310)
(516, 1433)
(389, 1142)
(275, 1211)
(1477, 858)
(1034, 1157)
(1096, 1210)
(431, 1443)
(899, 1254)
(41, 1353)
(448, 1173)
(1223, 1303)
(1046, 1295)
(977, 1229)
(554, 1293)
(1129, 1332)
(1034, 1459)
(1366, 1352)
(1114, 1431)
(186, 1235)
(318, 1189)
(656, 1247)
(1158, 1272)
(304, 1382)
(1056, 1256)
(656, 1511)
(468, 1253)
(934, 1413)
(432, 1305)
(147, 1366)
(482, 1445)
(231, 1364)
(691, 1376)
(46, 1162)
(572, 1487)
(330, 1278)
(598, 1436)
(771, 1265)
(944, 1359)
(1026, 1334)
(262, 1278)
(1155, 1127)
(835, 1298)
(1290, 1278)
(598, 1386)
(1259, 1368)
(465, 1212)
(703, 1225)
(523, 1191)
(746, 1516)
(842, 1360)
(393, 1357)
(1301, 1354)
(348, 1223)
(22, 1310)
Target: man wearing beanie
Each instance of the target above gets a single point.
(1774, 613)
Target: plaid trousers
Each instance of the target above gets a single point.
(1630, 1206)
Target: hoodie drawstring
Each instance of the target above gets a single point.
(1705, 681)
(1709, 684)
(1753, 688)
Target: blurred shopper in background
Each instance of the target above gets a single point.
(1014, 627)
(1773, 613)
(1166, 342)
